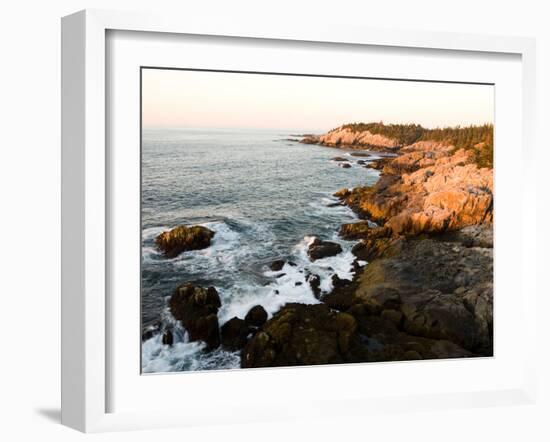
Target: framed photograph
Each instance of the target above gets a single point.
(267, 222)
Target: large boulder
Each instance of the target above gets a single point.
(234, 333)
(197, 310)
(183, 238)
(322, 249)
(301, 334)
(256, 316)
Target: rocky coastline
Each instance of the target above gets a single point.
(423, 281)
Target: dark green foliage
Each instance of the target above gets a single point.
(403, 133)
(479, 139)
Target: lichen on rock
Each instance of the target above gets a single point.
(183, 238)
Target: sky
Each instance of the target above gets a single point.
(194, 99)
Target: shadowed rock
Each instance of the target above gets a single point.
(438, 290)
(256, 316)
(197, 310)
(301, 334)
(234, 333)
(322, 249)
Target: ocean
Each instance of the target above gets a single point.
(266, 196)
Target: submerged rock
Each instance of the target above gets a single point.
(183, 238)
(322, 249)
(197, 310)
(344, 165)
(168, 337)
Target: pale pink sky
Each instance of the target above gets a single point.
(175, 98)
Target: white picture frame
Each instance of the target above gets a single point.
(85, 210)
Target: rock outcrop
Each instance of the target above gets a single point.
(436, 289)
(197, 310)
(357, 139)
(234, 334)
(301, 334)
(183, 238)
(322, 249)
(428, 189)
(256, 316)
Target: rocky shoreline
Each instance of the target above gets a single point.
(425, 230)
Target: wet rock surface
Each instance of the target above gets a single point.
(183, 238)
(197, 310)
(322, 249)
(256, 316)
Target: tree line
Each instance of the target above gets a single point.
(479, 139)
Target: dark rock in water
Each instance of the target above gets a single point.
(183, 238)
(315, 284)
(280, 275)
(276, 292)
(335, 204)
(197, 309)
(338, 282)
(339, 159)
(277, 265)
(341, 296)
(234, 333)
(322, 249)
(168, 337)
(301, 334)
(345, 165)
(256, 316)
(297, 283)
(292, 264)
(361, 154)
(361, 162)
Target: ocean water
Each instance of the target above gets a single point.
(266, 197)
